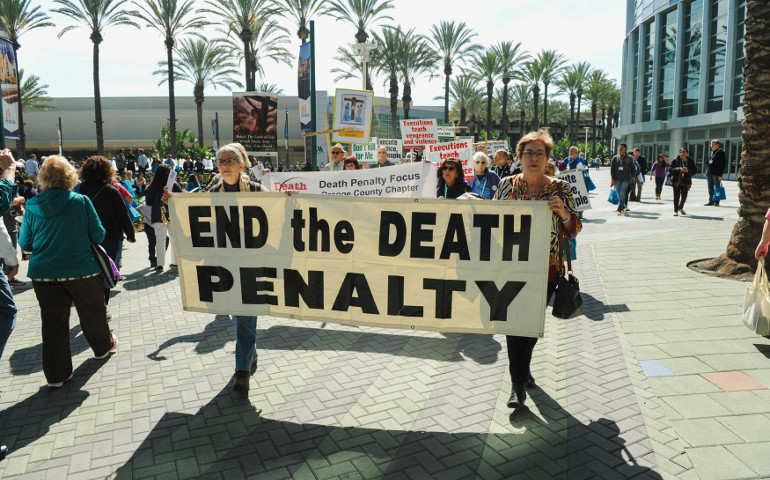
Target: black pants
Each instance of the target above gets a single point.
(55, 300)
(680, 196)
(520, 350)
(659, 181)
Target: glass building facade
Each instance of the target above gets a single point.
(682, 79)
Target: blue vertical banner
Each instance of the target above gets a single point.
(303, 87)
(9, 87)
(58, 131)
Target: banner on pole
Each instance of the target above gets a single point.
(255, 122)
(9, 88)
(353, 111)
(421, 264)
(446, 131)
(493, 147)
(461, 150)
(303, 88)
(413, 180)
(419, 133)
(579, 189)
(368, 153)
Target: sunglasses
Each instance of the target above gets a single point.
(449, 168)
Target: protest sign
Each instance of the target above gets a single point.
(462, 150)
(255, 121)
(365, 153)
(446, 131)
(394, 146)
(418, 133)
(9, 87)
(353, 113)
(368, 153)
(493, 147)
(421, 264)
(579, 189)
(412, 180)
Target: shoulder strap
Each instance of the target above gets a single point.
(100, 191)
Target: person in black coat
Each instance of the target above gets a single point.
(451, 180)
(715, 169)
(682, 168)
(641, 160)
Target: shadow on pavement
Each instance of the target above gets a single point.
(594, 220)
(27, 360)
(704, 217)
(764, 349)
(30, 419)
(153, 279)
(228, 438)
(377, 342)
(593, 309)
(213, 337)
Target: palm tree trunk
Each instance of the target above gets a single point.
(577, 115)
(522, 121)
(572, 131)
(593, 130)
(536, 98)
(545, 105)
(171, 99)
(406, 99)
(393, 105)
(753, 196)
(490, 91)
(447, 73)
(463, 115)
(608, 130)
(504, 120)
(246, 38)
(199, 110)
(97, 39)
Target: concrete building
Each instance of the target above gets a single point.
(682, 79)
(134, 122)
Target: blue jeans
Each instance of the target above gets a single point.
(245, 341)
(7, 309)
(622, 189)
(713, 182)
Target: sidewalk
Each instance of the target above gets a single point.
(630, 389)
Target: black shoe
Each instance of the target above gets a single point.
(530, 381)
(241, 381)
(708, 204)
(3, 451)
(16, 283)
(716, 204)
(159, 268)
(153, 264)
(518, 395)
(253, 368)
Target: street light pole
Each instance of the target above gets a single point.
(586, 144)
(363, 50)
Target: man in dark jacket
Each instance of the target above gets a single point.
(715, 169)
(622, 170)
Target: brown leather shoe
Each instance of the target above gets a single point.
(241, 381)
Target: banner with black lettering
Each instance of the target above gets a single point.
(413, 180)
(424, 264)
(579, 189)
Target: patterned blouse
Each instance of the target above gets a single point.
(515, 188)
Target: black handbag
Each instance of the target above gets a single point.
(567, 302)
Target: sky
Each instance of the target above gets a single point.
(583, 30)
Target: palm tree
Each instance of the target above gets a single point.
(34, 95)
(753, 197)
(16, 18)
(570, 82)
(510, 57)
(301, 11)
(552, 63)
(351, 64)
(242, 17)
(486, 66)
(532, 76)
(521, 95)
(267, 42)
(269, 88)
(389, 54)
(202, 63)
(417, 59)
(463, 90)
(171, 19)
(96, 15)
(453, 43)
(596, 92)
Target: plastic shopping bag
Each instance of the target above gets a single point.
(719, 194)
(756, 305)
(613, 197)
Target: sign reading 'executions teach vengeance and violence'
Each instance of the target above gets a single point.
(418, 133)
(425, 264)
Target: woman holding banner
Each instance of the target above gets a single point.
(534, 150)
(232, 159)
(485, 181)
(451, 183)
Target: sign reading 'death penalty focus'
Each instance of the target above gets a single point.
(410, 180)
(424, 264)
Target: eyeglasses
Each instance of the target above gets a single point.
(227, 161)
(449, 168)
(336, 152)
(533, 154)
(480, 162)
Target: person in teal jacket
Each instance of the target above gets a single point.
(58, 228)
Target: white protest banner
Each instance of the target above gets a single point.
(422, 264)
(394, 146)
(365, 153)
(418, 133)
(579, 189)
(493, 147)
(353, 112)
(462, 150)
(412, 180)
(446, 131)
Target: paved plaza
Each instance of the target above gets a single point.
(658, 379)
